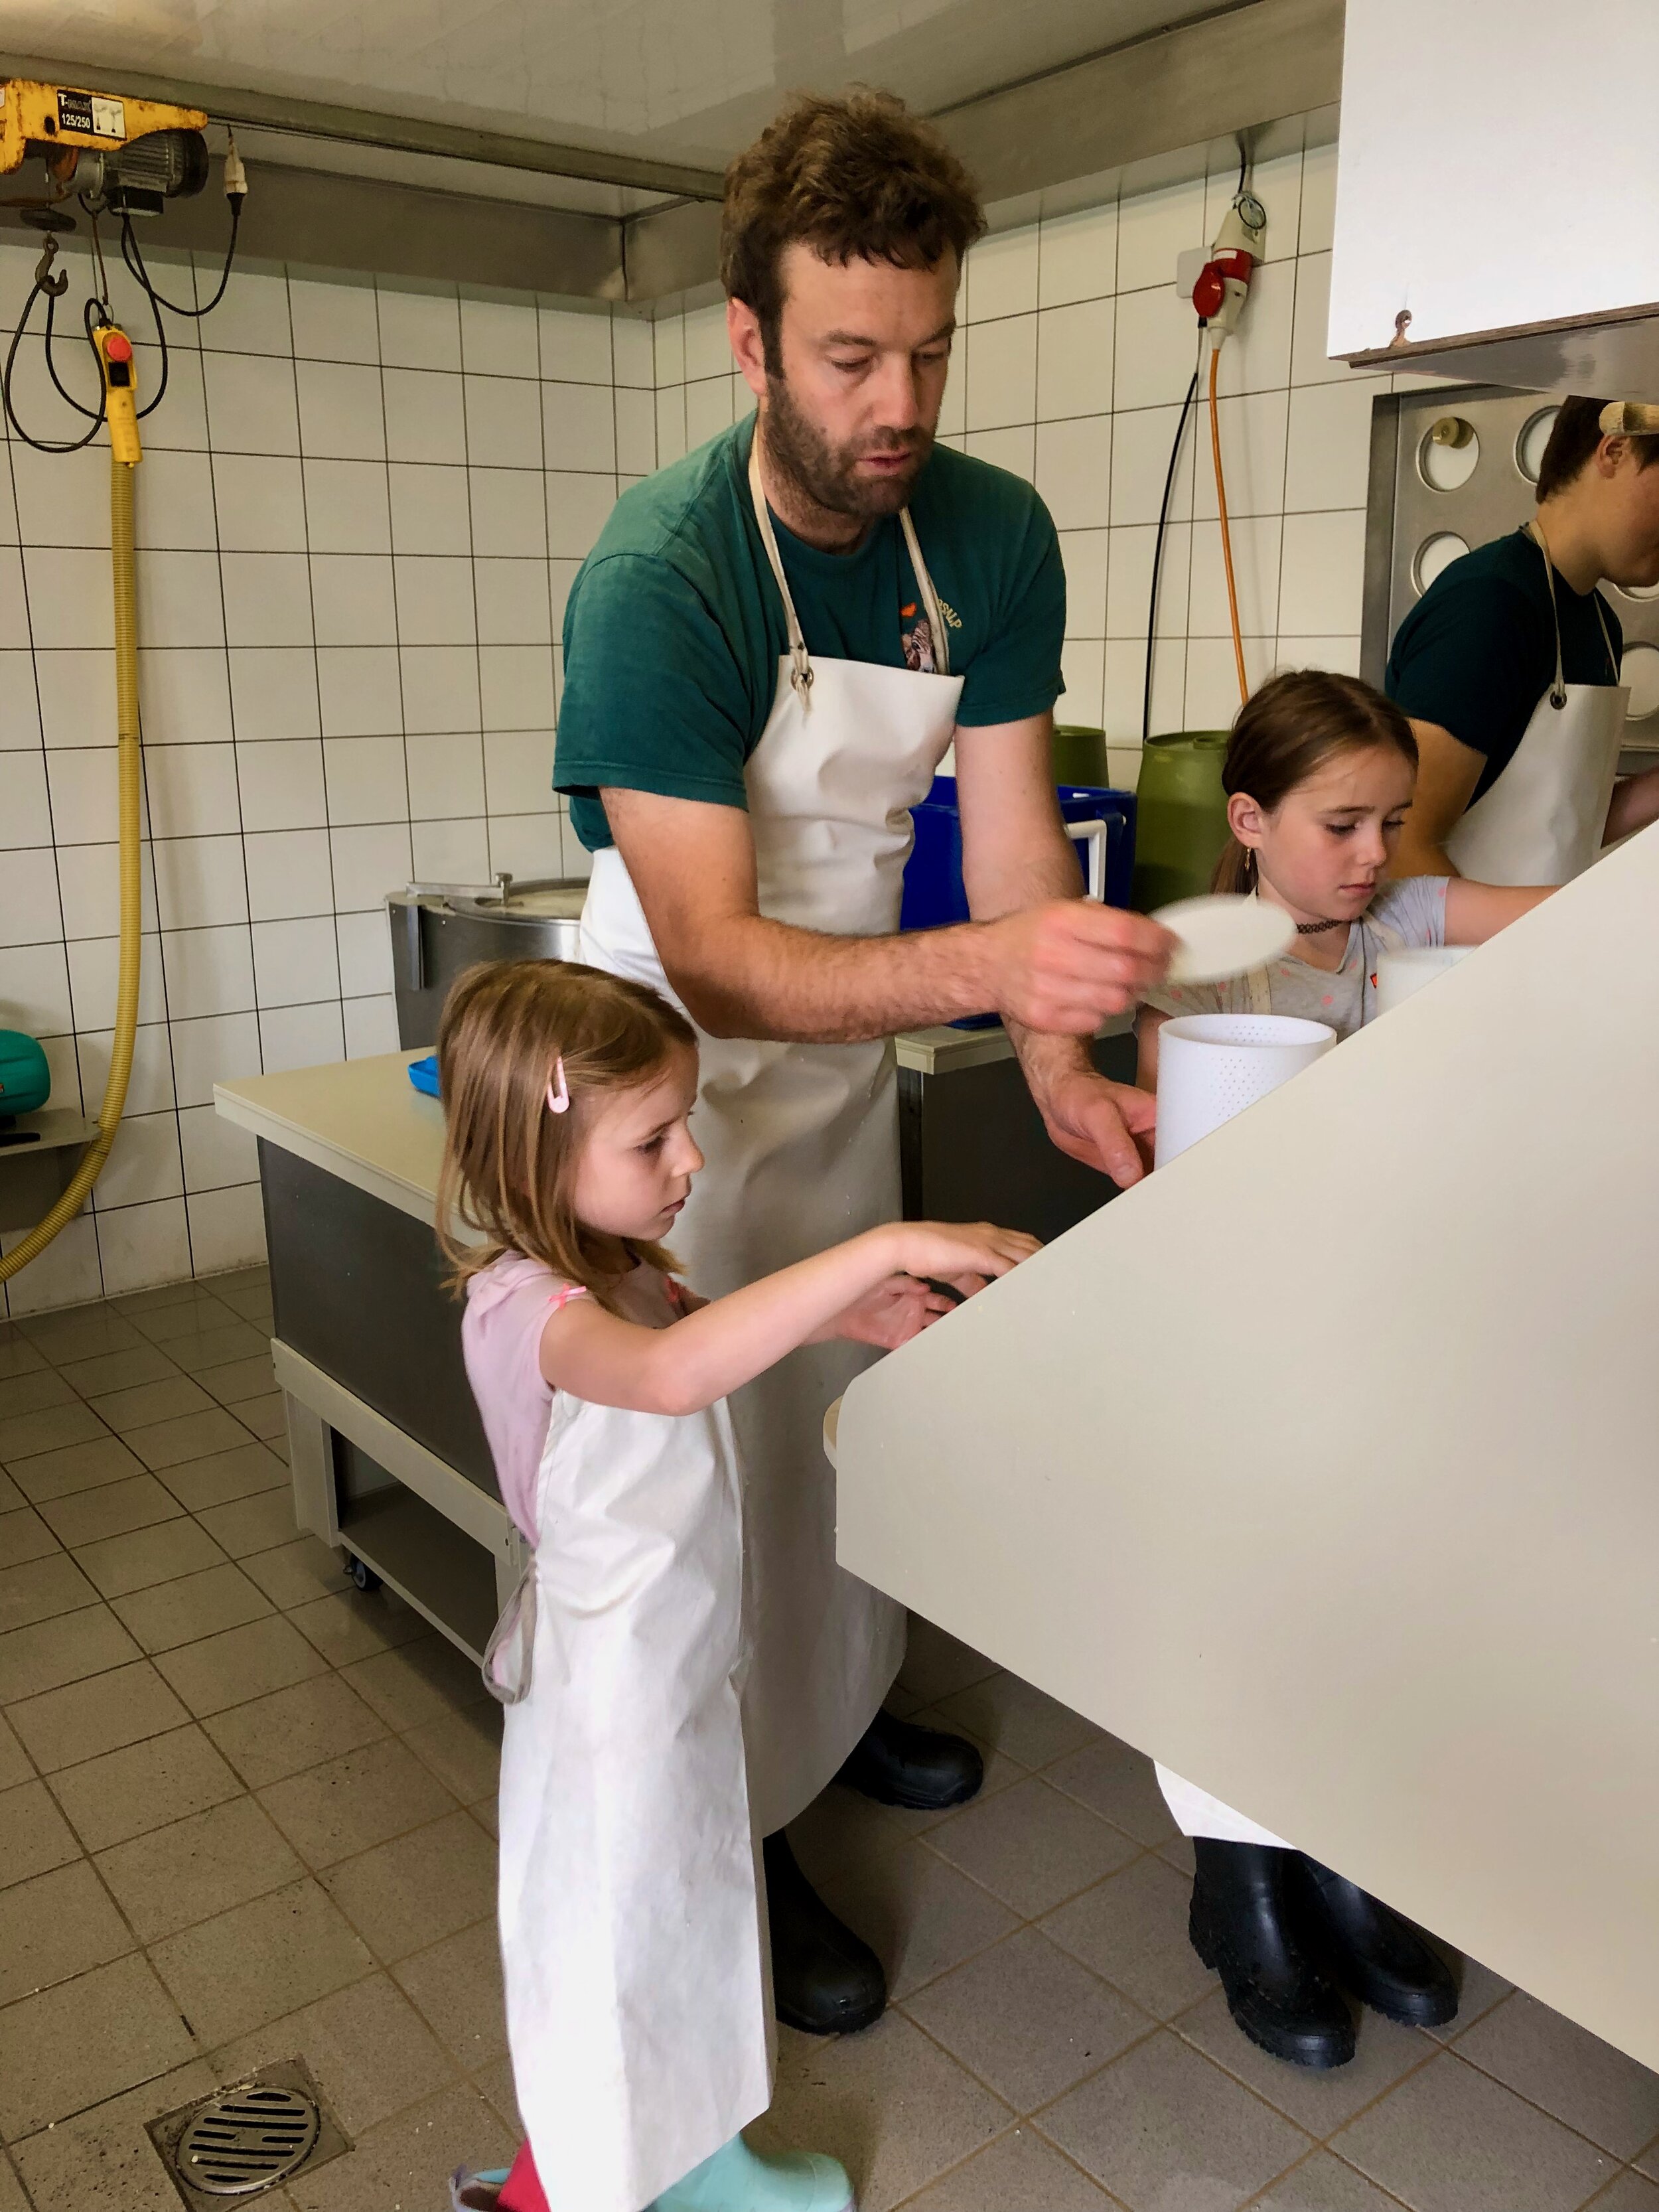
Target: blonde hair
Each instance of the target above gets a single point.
(509, 1164)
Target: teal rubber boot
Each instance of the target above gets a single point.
(476, 2192)
(737, 2179)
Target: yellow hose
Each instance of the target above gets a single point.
(127, 769)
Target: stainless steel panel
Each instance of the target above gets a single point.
(972, 1147)
(359, 1292)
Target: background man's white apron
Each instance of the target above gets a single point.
(1543, 819)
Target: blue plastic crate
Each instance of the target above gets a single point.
(934, 895)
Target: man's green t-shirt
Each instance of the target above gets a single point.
(674, 626)
(1478, 650)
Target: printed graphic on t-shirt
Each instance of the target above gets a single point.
(918, 641)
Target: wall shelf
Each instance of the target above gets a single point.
(33, 1177)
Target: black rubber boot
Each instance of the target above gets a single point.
(1371, 1952)
(825, 1979)
(1243, 1924)
(924, 1770)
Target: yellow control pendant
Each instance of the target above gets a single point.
(120, 390)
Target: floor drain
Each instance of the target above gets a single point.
(247, 2138)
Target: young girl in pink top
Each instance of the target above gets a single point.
(638, 2009)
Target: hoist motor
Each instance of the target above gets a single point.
(124, 154)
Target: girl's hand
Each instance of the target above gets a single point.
(961, 1253)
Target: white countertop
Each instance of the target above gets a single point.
(360, 1119)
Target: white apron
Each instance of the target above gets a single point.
(638, 2003)
(1543, 819)
(802, 1148)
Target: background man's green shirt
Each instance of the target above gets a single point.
(1477, 652)
(674, 626)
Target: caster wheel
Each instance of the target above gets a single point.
(361, 1577)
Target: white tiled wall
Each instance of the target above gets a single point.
(359, 512)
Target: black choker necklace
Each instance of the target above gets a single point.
(1318, 928)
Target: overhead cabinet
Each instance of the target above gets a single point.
(1497, 177)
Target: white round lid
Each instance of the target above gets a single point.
(1223, 936)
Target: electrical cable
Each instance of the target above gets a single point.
(53, 295)
(91, 414)
(1157, 547)
(151, 404)
(1226, 534)
(131, 254)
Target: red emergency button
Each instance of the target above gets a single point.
(118, 346)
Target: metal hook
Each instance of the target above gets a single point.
(53, 287)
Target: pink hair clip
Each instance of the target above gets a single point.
(558, 1091)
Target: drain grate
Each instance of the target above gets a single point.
(247, 2138)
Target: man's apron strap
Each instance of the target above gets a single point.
(1558, 689)
(800, 674)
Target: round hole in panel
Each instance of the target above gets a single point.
(1640, 670)
(1448, 453)
(1534, 436)
(1435, 554)
(1637, 591)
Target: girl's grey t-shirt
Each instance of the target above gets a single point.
(1409, 912)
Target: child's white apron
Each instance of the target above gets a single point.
(802, 1148)
(638, 2004)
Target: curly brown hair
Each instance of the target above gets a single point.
(855, 178)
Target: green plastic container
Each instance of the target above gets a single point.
(25, 1077)
(1079, 755)
(1181, 816)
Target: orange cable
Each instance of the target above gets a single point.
(1226, 535)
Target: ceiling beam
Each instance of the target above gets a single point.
(361, 223)
(1240, 65)
(366, 127)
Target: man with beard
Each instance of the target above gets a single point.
(768, 654)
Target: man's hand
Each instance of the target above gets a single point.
(1064, 966)
(1106, 1124)
(888, 1315)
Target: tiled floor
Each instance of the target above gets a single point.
(245, 1815)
